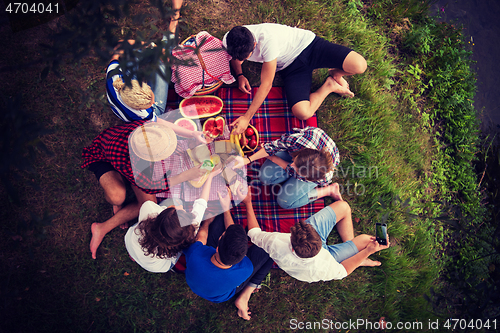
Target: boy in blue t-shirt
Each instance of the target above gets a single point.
(220, 264)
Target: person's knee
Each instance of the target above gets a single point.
(346, 207)
(301, 112)
(355, 63)
(302, 115)
(116, 195)
(283, 203)
(114, 188)
(287, 201)
(341, 208)
(362, 241)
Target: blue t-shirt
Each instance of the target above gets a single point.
(209, 281)
(119, 108)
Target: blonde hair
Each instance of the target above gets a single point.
(137, 97)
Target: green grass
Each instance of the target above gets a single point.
(398, 135)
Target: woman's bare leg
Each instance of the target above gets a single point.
(127, 213)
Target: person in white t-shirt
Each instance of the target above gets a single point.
(304, 254)
(295, 53)
(163, 231)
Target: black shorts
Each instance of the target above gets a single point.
(100, 168)
(297, 76)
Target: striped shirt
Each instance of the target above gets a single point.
(309, 137)
(119, 108)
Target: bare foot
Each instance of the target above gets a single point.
(96, 240)
(242, 302)
(242, 309)
(370, 263)
(339, 78)
(242, 305)
(335, 87)
(335, 192)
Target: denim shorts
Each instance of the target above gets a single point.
(323, 222)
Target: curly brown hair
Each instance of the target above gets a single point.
(313, 164)
(162, 236)
(305, 239)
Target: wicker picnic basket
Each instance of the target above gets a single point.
(205, 90)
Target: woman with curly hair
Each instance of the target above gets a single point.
(163, 231)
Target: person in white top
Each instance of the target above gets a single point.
(304, 254)
(295, 53)
(163, 231)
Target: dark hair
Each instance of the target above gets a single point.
(305, 239)
(240, 43)
(162, 236)
(313, 164)
(233, 245)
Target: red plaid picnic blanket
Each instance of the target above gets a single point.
(271, 121)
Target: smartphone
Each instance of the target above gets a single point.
(381, 233)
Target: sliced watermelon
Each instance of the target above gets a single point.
(214, 126)
(219, 123)
(201, 107)
(186, 123)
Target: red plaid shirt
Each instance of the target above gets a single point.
(112, 146)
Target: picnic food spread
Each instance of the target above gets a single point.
(223, 156)
(197, 107)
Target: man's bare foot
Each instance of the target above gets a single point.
(335, 192)
(335, 87)
(338, 77)
(370, 263)
(242, 306)
(96, 240)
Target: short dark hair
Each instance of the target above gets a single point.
(163, 237)
(233, 245)
(306, 241)
(240, 43)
